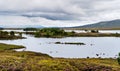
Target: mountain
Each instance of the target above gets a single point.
(104, 24)
(21, 26)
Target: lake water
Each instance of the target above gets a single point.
(104, 47)
(101, 31)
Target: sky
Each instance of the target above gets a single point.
(58, 13)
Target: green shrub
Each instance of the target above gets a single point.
(12, 33)
(50, 32)
(3, 33)
(118, 59)
(94, 31)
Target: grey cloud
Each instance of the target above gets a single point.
(60, 11)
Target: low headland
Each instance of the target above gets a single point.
(4, 35)
(9, 47)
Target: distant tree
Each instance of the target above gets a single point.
(97, 31)
(86, 31)
(47, 34)
(94, 31)
(73, 32)
(1, 33)
(52, 32)
(12, 33)
(37, 34)
(118, 59)
(5, 33)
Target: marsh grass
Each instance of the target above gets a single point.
(9, 47)
(11, 60)
(60, 33)
(30, 61)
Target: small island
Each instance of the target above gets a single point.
(71, 43)
(51, 32)
(60, 33)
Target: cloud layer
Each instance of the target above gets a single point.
(57, 12)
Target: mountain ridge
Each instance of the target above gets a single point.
(21, 26)
(103, 24)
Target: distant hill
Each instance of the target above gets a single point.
(21, 26)
(105, 24)
(1, 28)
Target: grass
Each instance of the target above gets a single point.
(59, 33)
(31, 61)
(9, 47)
(11, 37)
(11, 60)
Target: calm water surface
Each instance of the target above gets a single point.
(104, 47)
(101, 31)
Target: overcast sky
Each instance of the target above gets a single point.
(57, 12)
